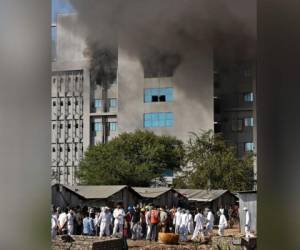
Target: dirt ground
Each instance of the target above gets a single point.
(146, 245)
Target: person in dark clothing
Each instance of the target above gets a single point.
(135, 223)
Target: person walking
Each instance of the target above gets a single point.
(199, 221)
(177, 220)
(148, 223)
(53, 224)
(247, 223)
(86, 227)
(210, 221)
(190, 222)
(183, 229)
(104, 221)
(63, 222)
(222, 223)
(118, 216)
(135, 223)
(154, 220)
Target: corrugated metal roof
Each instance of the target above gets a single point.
(151, 192)
(96, 192)
(201, 194)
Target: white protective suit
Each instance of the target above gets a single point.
(147, 218)
(247, 223)
(183, 229)
(53, 226)
(104, 220)
(118, 215)
(70, 224)
(199, 221)
(222, 223)
(190, 223)
(210, 221)
(177, 221)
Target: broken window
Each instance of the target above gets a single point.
(158, 95)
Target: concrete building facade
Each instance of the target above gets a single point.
(168, 104)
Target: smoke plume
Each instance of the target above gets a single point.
(176, 27)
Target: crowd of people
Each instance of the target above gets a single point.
(138, 222)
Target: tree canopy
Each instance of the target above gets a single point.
(214, 165)
(131, 159)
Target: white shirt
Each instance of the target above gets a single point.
(210, 218)
(184, 220)
(70, 219)
(147, 217)
(178, 218)
(53, 221)
(223, 221)
(247, 222)
(104, 218)
(62, 219)
(199, 220)
(119, 215)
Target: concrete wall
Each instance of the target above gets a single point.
(193, 96)
(248, 200)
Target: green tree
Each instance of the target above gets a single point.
(214, 165)
(131, 158)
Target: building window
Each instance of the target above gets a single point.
(237, 125)
(76, 125)
(61, 103)
(98, 103)
(248, 97)
(113, 126)
(248, 122)
(61, 126)
(54, 103)
(97, 126)
(158, 120)
(113, 103)
(53, 150)
(53, 126)
(69, 103)
(158, 95)
(69, 126)
(249, 147)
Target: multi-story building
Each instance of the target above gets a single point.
(85, 113)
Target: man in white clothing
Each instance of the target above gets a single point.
(222, 223)
(148, 223)
(177, 220)
(190, 222)
(199, 220)
(247, 223)
(53, 224)
(62, 222)
(104, 221)
(70, 224)
(118, 215)
(183, 229)
(210, 221)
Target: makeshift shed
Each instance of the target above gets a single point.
(213, 199)
(161, 196)
(93, 196)
(248, 199)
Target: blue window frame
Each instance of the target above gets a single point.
(98, 103)
(168, 173)
(248, 97)
(249, 147)
(113, 126)
(249, 122)
(113, 103)
(158, 120)
(158, 95)
(98, 126)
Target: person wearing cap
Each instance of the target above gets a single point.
(118, 215)
(222, 222)
(247, 223)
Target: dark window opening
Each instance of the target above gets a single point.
(69, 150)
(61, 126)
(76, 79)
(54, 80)
(76, 103)
(154, 98)
(162, 98)
(218, 127)
(61, 103)
(53, 150)
(60, 149)
(61, 80)
(69, 103)
(69, 125)
(76, 126)
(76, 149)
(53, 126)
(54, 104)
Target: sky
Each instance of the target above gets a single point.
(60, 7)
